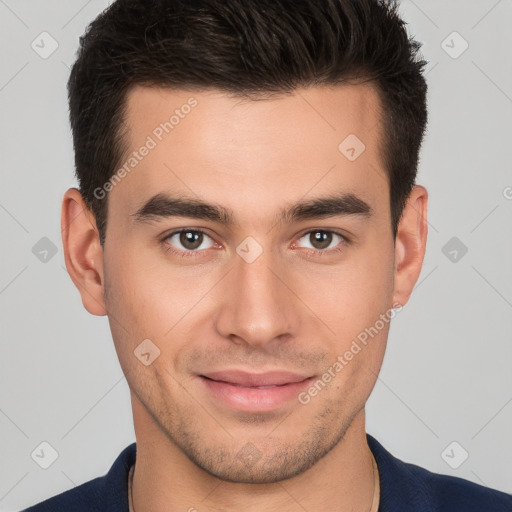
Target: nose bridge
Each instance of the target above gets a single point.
(258, 307)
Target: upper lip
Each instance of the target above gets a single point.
(243, 378)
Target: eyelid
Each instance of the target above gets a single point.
(184, 252)
(345, 240)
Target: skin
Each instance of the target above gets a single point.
(290, 309)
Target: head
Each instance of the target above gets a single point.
(285, 137)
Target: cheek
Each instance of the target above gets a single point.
(355, 303)
(136, 309)
(152, 299)
(144, 292)
(372, 278)
(350, 297)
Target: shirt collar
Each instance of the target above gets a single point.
(401, 487)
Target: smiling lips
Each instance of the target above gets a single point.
(251, 392)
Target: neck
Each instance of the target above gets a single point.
(165, 479)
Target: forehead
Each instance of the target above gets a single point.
(224, 148)
(305, 112)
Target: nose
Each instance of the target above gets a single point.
(258, 306)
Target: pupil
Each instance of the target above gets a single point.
(191, 239)
(320, 239)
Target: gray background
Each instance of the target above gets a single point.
(447, 373)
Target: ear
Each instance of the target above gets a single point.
(82, 251)
(410, 244)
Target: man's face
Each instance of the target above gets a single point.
(262, 293)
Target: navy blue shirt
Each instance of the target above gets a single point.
(403, 488)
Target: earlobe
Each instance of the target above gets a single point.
(82, 251)
(410, 244)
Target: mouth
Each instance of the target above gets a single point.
(251, 392)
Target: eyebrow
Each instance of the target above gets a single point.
(162, 206)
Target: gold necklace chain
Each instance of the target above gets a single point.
(375, 486)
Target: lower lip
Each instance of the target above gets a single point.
(254, 399)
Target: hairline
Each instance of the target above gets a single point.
(248, 95)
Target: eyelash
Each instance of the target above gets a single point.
(315, 252)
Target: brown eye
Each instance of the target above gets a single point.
(189, 240)
(320, 240)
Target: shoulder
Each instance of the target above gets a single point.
(452, 493)
(108, 492)
(406, 486)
